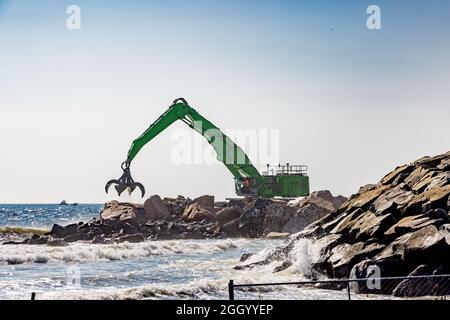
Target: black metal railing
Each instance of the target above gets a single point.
(406, 287)
(432, 286)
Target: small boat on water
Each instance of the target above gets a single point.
(64, 203)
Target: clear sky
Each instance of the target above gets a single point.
(350, 102)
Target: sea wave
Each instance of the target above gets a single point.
(84, 252)
(18, 234)
(177, 269)
(22, 230)
(203, 289)
(197, 289)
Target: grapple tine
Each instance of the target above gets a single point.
(131, 189)
(109, 183)
(141, 187)
(120, 188)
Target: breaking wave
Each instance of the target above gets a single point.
(85, 252)
(198, 289)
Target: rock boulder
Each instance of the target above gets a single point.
(206, 200)
(198, 212)
(228, 214)
(155, 209)
(398, 226)
(130, 212)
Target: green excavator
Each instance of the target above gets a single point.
(278, 181)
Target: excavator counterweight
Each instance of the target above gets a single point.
(283, 181)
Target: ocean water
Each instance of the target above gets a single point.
(174, 269)
(45, 215)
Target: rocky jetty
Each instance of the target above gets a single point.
(200, 218)
(401, 225)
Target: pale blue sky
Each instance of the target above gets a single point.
(349, 102)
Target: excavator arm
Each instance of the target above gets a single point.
(231, 155)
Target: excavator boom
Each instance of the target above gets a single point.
(231, 155)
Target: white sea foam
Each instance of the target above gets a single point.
(201, 289)
(302, 258)
(82, 252)
(303, 253)
(197, 269)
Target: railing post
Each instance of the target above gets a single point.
(33, 296)
(348, 290)
(231, 290)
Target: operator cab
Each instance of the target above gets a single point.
(246, 186)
